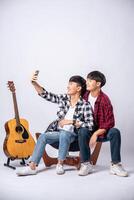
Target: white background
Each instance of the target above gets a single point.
(62, 38)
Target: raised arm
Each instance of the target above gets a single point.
(54, 98)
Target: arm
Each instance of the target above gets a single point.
(88, 121)
(65, 122)
(37, 87)
(94, 137)
(49, 96)
(88, 116)
(100, 132)
(105, 122)
(43, 93)
(106, 118)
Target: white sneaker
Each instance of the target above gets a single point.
(85, 169)
(59, 169)
(118, 170)
(24, 171)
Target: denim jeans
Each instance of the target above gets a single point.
(113, 135)
(64, 138)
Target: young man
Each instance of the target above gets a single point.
(104, 121)
(73, 114)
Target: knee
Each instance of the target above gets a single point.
(42, 137)
(65, 136)
(115, 133)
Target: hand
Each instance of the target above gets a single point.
(93, 140)
(37, 87)
(34, 76)
(64, 122)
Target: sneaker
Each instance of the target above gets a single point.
(118, 170)
(59, 169)
(24, 171)
(85, 169)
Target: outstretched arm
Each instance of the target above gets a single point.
(54, 98)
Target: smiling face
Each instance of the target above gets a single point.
(73, 88)
(92, 85)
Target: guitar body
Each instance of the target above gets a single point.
(18, 143)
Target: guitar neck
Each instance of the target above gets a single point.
(16, 108)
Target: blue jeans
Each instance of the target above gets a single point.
(64, 138)
(113, 135)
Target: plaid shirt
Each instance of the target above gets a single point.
(83, 110)
(103, 112)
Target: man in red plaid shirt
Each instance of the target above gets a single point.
(104, 125)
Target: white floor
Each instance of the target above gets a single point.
(46, 185)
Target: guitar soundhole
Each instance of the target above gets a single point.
(19, 129)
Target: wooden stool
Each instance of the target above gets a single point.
(73, 161)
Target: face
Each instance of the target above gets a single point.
(73, 88)
(92, 85)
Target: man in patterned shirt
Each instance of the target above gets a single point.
(104, 122)
(74, 116)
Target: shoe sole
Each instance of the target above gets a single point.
(85, 174)
(60, 173)
(18, 174)
(114, 173)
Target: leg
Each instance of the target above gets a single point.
(66, 138)
(83, 138)
(73, 161)
(114, 137)
(46, 138)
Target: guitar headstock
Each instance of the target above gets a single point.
(11, 86)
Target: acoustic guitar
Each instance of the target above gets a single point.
(19, 143)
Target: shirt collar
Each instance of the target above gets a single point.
(86, 95)
(79, 102)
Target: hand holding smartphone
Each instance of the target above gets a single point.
(35, 76)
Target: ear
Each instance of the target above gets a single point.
(79, 88)
(98, 84)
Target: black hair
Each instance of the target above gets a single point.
(80, 81)
(98, 77)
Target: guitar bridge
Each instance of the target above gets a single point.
(20, 141)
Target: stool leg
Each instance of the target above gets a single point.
(49, 160)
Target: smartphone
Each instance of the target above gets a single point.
(37, 72)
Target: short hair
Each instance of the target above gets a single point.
(80, 81)
(98, 77)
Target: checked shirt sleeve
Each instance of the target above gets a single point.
(88, 117)
(106, 117)
(49, 96)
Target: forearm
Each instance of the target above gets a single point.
(65, 122)
(37, 87)
(100, 132)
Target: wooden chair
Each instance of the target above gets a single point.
(71, 160)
